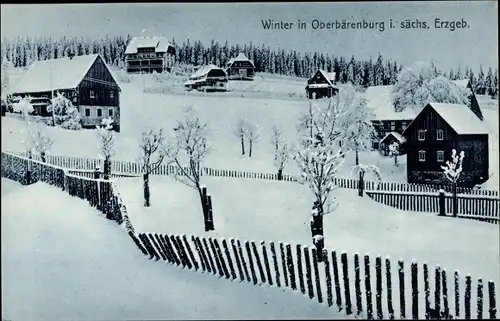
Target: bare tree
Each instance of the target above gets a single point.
(253, 136)
(394, 151)
(40, 141)
(276, 139)
(239, 130)
(452, 172)
(106, 138)
(152, 155)
(361, 171)
(191, 135)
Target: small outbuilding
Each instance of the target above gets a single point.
(389, 139)
(321, 84)
(240, 68)
(208, 78)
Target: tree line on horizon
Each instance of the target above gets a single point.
(23, 51)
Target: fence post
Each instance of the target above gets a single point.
(237, 258)
(329, 292)
(310, 289)
(229, 260)
(221, 259)
(414, 290)
(190, 252)
(316, 275)
(243, 262)
(172, 250)
(491, 295)
(259, 262)
(378, 277)
(300, 273)
(283, 263)
(347, 290)
(266, 263)
(445, 294)
(468, 284)
(275, 263)
(427, 291)
(479, 299)
(437, 291)
(389, 287)
(250, 261)
(198, 250)
(338, 295)
(291, 269)
(368, 287)
(457, 295)
(216, 257)
(402, 288)
(442, 205)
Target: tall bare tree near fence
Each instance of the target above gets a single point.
(106, 138)
(152, 154)
(191, 135)
(239, 130)
(361, 171)
(452, 171)
(281, 151)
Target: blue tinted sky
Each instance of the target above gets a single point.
(240, 23)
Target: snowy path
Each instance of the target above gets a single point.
(60, 260)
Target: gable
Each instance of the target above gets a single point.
(99, 73)
(319, 78)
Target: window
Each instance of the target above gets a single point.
(99, 112)
(403, 125)
(439, 134)
(421, 134)
(393, 125)
(87, 112)
(110, 112)
(111, 94)
(421, 155)
(440, 156)
(92, 94)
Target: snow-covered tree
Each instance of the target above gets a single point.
(106, 137)
(65, 114)
(358, 131)
(394, 152)
(239, 129)
(320, 156)
(276, 138)
(452, 170)
(253, 136)
(7, 66)
(361, 171)
(40, 141)
(417, 85)
(281, 150)
(24, 107)
(191, 135)
(152, 154)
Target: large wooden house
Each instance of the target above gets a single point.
(85, 80)
(208, 78)
(321, 84)
(388, 120)
(435, 132)
(240, 67)
(148, 54)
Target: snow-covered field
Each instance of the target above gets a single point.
(269, 210)
(61, 260)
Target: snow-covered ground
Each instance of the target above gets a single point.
(61, 260)
(221, 112)
(269, 210)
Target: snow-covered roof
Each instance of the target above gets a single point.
(241, 57)
(55, 74)
(461, 82)
(461, 118)
(396, 135)
(380, 99)
(203, 71)
(160, 44)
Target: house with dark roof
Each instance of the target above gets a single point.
(208, 78)
(435, 132)
(321, 84)
(388, 120)
(148, 54)
(85, 80)
(240, 67)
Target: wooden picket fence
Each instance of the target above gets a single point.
(120, 167)
(99, 193)
(367, 287)
(483, 208)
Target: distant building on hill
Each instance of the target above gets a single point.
(240, 68)
(321, 84)
(148, 54)
(208, 78)
(435, 132)
(85, 80)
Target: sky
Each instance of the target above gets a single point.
(474, 45)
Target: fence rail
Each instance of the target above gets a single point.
(120, 167)
(364, 286)
(483, 208)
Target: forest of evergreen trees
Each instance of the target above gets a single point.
(23, 51)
